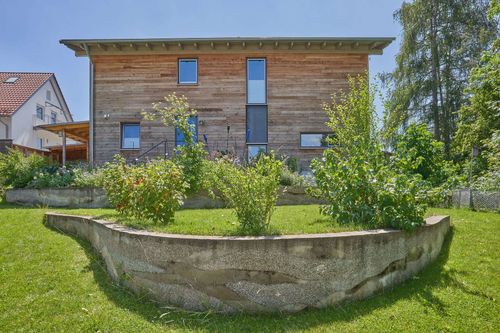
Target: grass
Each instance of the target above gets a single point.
(50, 282)
(286, 220)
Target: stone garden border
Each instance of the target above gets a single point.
(258, 274)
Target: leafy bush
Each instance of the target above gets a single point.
(52, 177)
(153, 191)
(292, 163)
(251, 191)
(175, 111)
(416, 152)
(354, 176)
(86, 177)
(489, 180)
(17, 170)
(190, 158)
(290, 178)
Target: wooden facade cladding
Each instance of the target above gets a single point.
(297, 85)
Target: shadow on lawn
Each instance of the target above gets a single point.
(420, 287)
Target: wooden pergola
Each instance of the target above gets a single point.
(78, 131)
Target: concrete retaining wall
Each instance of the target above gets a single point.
(96, 198)
(58, 197)
(258, 274)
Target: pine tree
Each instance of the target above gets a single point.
(442, 41)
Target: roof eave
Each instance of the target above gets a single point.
(369, 45)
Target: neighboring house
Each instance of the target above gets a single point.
(28, 100)
(252, 94)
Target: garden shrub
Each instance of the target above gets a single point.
(152, 191)
(17, 170)
(87, 177)
(417, 152)
(52, 176)
(355, 177)
(251, 191)
(175, 111)
(290, 178)
(489, 180)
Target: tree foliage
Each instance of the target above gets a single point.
(442, 41)
(252, 191)
(417, 152)
(175, 111)
(354, 176)
(479, 117)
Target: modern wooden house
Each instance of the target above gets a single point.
(251, 94)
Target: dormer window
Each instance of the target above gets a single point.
(11, 79)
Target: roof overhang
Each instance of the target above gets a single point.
(78, 131)
(364, 45)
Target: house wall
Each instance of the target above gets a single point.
(297, 84)
(24, 119)
(5, 131)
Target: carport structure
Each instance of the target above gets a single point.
(77, 131)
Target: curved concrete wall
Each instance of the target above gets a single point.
(258, 274)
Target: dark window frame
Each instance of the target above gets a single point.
(179, 72)
(267, 124)
(122, 125)
(313, 147)
(248, 59)
(41, 107)
(53, 117)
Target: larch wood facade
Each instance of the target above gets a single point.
(297, 85)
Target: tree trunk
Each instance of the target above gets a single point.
(434, 79)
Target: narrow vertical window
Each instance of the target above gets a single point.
(256, 124)
(48, 95)
(40, 112)
(256, 81)
(188, 71)
(131, 136)
(53, 118)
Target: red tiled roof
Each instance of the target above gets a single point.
(13, 95)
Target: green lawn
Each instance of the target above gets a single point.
(50, 282)
(286, 220)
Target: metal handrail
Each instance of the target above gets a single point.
(164, 142)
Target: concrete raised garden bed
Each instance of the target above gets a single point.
(96, 198)
(258, 274)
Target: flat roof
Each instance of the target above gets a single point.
(78, 130)
(90, 47)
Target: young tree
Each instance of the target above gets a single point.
(354, 175)
(442, 41)
(175, 112)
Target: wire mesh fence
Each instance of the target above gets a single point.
(473, 199)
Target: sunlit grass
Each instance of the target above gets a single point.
(51, 282)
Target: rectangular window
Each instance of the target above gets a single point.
(53, 117)
(254, 150)
(40, 113)
(188, 71)
(256, 81)
(48, 95)
(314, 140)
(40, 143)
(131, 136)
(179, 136)
(256, 124)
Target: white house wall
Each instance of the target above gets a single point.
(24, 119)
(3, 130)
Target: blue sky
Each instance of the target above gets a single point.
(30, 30)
